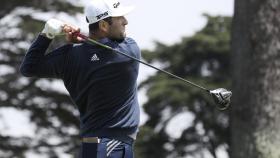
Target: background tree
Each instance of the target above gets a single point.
(204, 59)
(255, 112)
(50, 110)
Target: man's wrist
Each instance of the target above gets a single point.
(45, 35)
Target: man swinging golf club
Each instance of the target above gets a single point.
(101, 83)
(100, 75)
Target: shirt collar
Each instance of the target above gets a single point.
(108, 42)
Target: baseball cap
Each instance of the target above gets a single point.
(97, 10)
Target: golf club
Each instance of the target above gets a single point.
(221, 96)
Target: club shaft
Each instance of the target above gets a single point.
(91, 41)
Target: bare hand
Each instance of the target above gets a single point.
(71, 33)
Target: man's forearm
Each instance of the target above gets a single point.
(33, 56)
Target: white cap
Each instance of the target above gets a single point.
(97, 10)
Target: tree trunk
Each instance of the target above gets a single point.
(255, 112)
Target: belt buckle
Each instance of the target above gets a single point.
(90, 140)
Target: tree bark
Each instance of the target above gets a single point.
(255, 112)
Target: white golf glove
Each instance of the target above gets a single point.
(53, 27)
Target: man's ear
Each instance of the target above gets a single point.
(103, 26)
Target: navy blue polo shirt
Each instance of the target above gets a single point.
(101, 83)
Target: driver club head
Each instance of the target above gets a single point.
(221, 97)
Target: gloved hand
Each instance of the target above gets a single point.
(53, 27)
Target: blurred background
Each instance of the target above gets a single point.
(211, 43)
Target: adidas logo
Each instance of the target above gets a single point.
(94, 58)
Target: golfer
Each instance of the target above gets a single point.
(101, 83)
